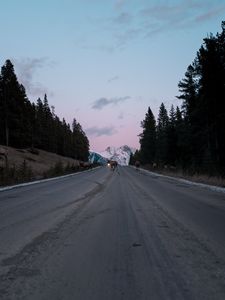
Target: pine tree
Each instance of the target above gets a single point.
(192, 140)
(172, 138)
(188, 89)
(162, 136)
(148, 138)
(9, 88)
(2, 117)
(211, 70)
(48, 141)
(25, 124)
(14, 109)
(135, 157)
(39, 132)
(203, 94)
(80, 142)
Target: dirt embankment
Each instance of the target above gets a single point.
(39, 162)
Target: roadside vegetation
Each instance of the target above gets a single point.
(199, 178)
(189, 140)
(35, 125)
(27, 127)
(24, 165)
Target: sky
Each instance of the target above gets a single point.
(104, 62)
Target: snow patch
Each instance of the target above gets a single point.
(121, 154)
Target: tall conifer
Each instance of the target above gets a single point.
(148, 138)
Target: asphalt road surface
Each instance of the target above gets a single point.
(112, 235)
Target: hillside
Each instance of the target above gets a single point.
(38, 163)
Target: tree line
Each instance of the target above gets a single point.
(35, 125)
(192, 136)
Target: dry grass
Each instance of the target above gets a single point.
(211, 180)
(200, 178)
(39, 163)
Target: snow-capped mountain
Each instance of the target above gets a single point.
(120, 154)
(95, 157)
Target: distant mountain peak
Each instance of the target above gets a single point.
(120, 154)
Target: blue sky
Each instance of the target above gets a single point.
(105, 61)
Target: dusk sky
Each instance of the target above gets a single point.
(104, 62)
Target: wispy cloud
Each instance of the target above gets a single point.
(113, 79)
(125, 37)
(166, 11)
(99, 131)
(146, 19)
(166, 16)
(120, 3)
(103, 102)
(85, 45)
(121, 116)
(169, 16)
(211, 14)
(26, 70)
(123, 19)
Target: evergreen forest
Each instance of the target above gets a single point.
(35, 125)
(191, 137)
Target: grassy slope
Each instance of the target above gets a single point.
(38, 163)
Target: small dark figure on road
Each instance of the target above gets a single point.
(137, 164)
(113, 165)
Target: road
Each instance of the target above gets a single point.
(109, 235)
